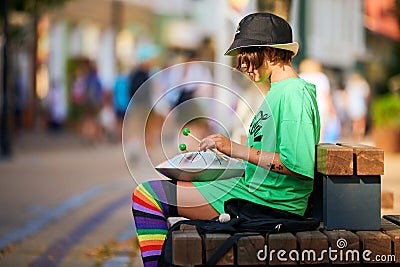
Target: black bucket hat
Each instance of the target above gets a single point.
(263, 29)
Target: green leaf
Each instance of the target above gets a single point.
(386, 111)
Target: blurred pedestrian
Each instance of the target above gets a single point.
(357, 93)
(311, 71)
(185, 74)
(87, 98)
(79, 83)
(190, 98)
(21, 97)
(108, 119)
(147, 56)
(121, 99)
(57, 107)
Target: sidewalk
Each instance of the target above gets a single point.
(59, 191)
(391, 185)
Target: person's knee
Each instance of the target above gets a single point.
(140, 188)
(163, 191)
(138, 192)
(145, 187)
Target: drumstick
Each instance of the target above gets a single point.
(186, 132)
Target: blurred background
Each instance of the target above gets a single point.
(70, 67)
(53, 48)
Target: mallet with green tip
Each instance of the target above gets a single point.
(182, 147)
(186, 132)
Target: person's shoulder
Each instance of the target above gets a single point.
(298, 85)
(296, 89)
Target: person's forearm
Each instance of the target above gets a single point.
(267, 160)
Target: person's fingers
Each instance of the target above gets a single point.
(206, 143)
(202, 147)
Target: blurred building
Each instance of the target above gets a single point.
(109, 31)
(103, 31)
(330, 31)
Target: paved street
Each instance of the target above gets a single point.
(61, 200)
(64, 202)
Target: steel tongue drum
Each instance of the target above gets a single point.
(200, 166)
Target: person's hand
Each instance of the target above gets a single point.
(218, 141)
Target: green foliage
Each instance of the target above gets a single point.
(386, 111)
(34, 5)
(397, 10)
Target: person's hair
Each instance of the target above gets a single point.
(255, 56)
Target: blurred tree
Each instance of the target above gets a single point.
(5, 144)
(34, 5)
(397, 10)
(33, 9)
(278, 7)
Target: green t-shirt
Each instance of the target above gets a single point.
(287, 122)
